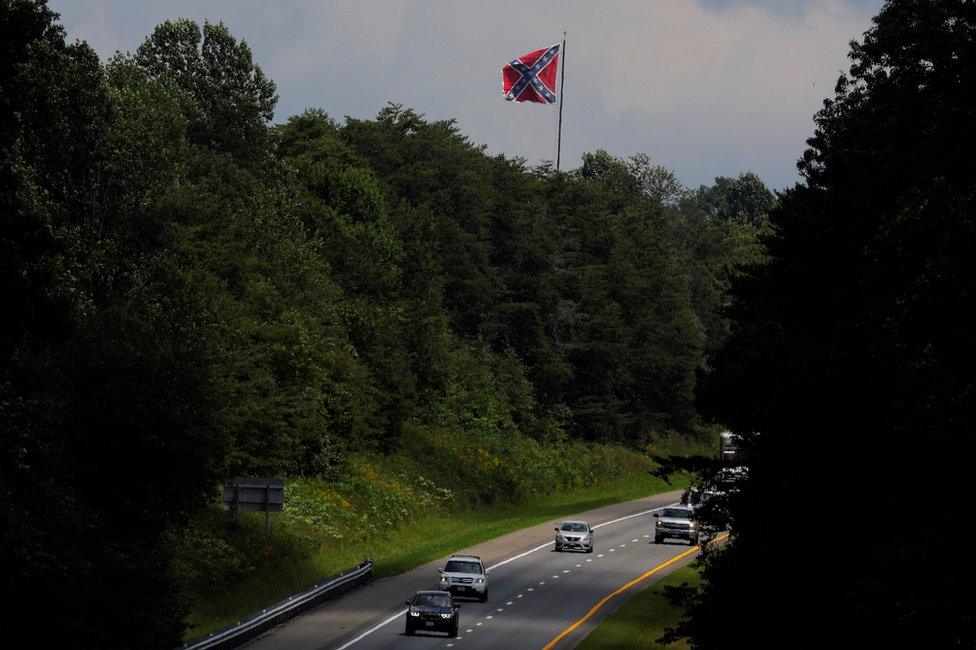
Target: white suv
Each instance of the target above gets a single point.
(464, 575)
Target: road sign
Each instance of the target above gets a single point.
(254, 494)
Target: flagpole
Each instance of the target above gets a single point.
(562, 80)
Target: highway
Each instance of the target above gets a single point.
(535, 594)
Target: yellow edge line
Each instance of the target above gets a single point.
(603, 601)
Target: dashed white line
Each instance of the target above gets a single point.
(600, 555)
(489, 617)
(612, 550)
(621, 546)
(634, 540)
(469, 630)
(565, 570)
(478, 623)
(500, 609)
(520, 595)
(509, 603)
(578, 565)
(588, 560)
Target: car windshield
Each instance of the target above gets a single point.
(463, 566)
(432, 600)
(574, 527)
(677, 513)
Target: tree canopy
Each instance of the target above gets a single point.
(849, 366)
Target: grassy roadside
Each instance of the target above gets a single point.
(642, 620)
(416, 542)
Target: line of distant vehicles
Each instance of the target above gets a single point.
(703, 511)
(465, 576)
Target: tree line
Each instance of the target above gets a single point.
(849, 368)
(192, 293)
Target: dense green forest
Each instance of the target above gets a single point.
(191, 293)
(850, 365)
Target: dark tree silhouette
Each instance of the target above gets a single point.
(851, 356)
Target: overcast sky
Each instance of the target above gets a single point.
(706, 87)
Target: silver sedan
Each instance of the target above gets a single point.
(574, 535)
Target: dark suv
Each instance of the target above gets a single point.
(432, 611)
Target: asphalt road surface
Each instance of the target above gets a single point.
(535, 593)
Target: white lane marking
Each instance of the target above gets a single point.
(520, 555)
(578, 565)
(634, 540)
(509, 603)
(495, 566)
(520, 595)
(468, 631)
(646, 535)
(533, 588)
(612, 550)
(489, 617)
(450, 645)
(589, 560)
(600, 555)
(500, 609)
(621, 546)
(565, 570)
(373, 629)
(636, 514)
(478, 623)
(555, 576)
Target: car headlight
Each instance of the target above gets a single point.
(443, 578)
(657, 523)
(446, 615)
(414, 613)
(479, 580)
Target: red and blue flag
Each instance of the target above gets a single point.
(532, 77)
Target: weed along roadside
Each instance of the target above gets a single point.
(399, 518)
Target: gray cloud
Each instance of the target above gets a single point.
(707, 87)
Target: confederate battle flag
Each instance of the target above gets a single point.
(532, 77)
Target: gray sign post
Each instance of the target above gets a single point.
(255, 495)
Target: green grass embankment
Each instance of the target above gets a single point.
(642, 620)
(397, 548)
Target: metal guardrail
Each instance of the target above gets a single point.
(235, 635)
